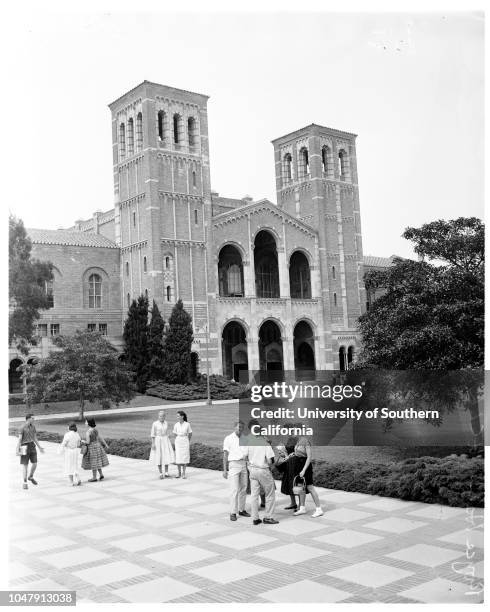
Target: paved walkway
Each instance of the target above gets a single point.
(134, 538)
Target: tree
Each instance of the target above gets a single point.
(156, 343)
(178, 343)
(86, 366)
(28, 280)
(136, 341)
(430, 317)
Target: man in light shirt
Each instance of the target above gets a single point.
(235, 470)
(260, 457)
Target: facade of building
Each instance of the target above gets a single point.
(269, 286)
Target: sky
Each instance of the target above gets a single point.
(410, 85)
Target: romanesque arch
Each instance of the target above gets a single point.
(299, 276)
(15, 376)
(304, 348)
(265, 265)
(230, 272)
(234, 349)
(270, 347)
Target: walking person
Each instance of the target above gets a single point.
(260, 458)
(302, 453)
(286, 464)
(235, 470)
(183, 434)
(162, 452)
(95, 458)
(70, 447)
(26, 449)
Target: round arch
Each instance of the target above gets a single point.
(299, 276)
(16, 382)
(270, 335)
(304, 347)
(234, 349)
(230, 272)
(266, 266)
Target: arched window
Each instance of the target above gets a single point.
(161, 126)
(299, 276)
(230, 272)
(127, 268)
(177, 120)
(144, 264)
(94, 291)
(146, 294)
(194, 178)
(130, 136)
(266, 266)
(167, 263)
(304, 164)
(287, 168)
(169, 293)
(139, 132)
(343, 165)
(48, 289)
(122, 141)
(326, 160)
(192, 131)
(350, 356)
(342, 359)
(128, 298)
(335, 299)
(134, 219)
(333, 272)
(196, 218)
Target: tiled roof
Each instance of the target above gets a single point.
(70, 238)
(378, 262)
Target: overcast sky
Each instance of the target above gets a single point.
(410, 86)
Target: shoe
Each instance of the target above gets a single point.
(184, 477)
(102, 477)
(232, 517)
(318, 512)
(257, 521)
(34, 482)
(300, 511)
(24, 486)
(270, 521)
(295, 507)
(178, 476)
(167, 475)
(92, 480)
(262, 505)
(161, 476)
(244, 513)
(79, 483)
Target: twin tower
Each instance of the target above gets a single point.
(269, 286)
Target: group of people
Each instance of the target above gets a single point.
(246, 461)
(245, 458)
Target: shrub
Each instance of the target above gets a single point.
(451, 481)
(221, 388)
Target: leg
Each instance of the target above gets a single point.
(234, 483)
(314, 495)
(270, 493)
(160, 468)
(70, 476)
(242, 490)
(24, 471)
(33, 469)
(255, 492)
(183, 470)
(166, 469)
(100, 473)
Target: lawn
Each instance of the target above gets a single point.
(210, 424)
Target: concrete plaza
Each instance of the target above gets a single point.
(134, 538)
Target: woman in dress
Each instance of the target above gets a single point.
(162, 452)
(302, 462)
(70, 447)
(95, 458)
(183, 435)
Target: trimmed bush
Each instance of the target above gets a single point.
(451, 481)
(221, 388)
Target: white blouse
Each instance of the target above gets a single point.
(159, 429)
(182, 429)
(71, 440)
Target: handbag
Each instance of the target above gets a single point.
(299, 488)
(84, 449)
(23, 449)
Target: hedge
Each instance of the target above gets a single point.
(220, 388)
(451, 481)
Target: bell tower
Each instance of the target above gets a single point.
(316, 181)
(162, 200)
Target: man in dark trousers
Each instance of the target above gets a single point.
(26, 448)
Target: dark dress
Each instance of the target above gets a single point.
(293, 466)
(95, 457)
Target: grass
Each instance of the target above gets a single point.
(210, 424)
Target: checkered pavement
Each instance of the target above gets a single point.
(135, 538)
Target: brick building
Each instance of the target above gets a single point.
(268, 285)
